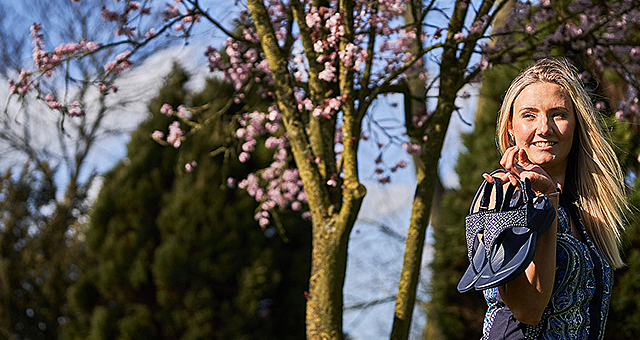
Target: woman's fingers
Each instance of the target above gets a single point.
(541, 183)
(487, 177)
(508, 158)
(524, 159)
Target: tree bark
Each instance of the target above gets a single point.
(453, 64)
(333, 209)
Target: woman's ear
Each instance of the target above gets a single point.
(512, 139)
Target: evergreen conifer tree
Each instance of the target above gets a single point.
(179, 255)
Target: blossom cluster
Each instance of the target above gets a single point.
(278, 185)
(23, 85)
(175, 136)
(240, 63)
(73, 110)
(118, 65)
(47, 61)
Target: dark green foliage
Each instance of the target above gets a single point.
(625, 300)
(38, 260)
(460, 316)
(180, 255)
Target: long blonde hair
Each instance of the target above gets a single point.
(594, 179)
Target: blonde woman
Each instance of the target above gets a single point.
(548, 133)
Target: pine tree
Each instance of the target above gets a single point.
(180, 255)
(39, 259)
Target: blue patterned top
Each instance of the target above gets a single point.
(581, 289)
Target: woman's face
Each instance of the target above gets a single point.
(543, 123)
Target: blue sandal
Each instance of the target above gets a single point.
(511, 236)
(476, 250)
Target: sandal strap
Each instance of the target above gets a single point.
(498, 222)
(473, 227)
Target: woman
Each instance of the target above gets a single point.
(548, 133)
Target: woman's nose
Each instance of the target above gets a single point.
(544, 126)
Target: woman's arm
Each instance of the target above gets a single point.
(528, 295)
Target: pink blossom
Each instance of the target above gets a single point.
(302, 196)
(151, 33)
(92, 45)
(328, 74)
(307, 104)
(249, 146)
(191, 18)
(35, 30)
(264, 222)
(166, 109)
(182, 111)
(76, 112)
(189, 167)
(231, 182)
(175, 134)
(312, 18)
(51, 102)
(243, 157)
(530, 28)
(272, 142)
(411, 148)
(120, 64)
(459, 35)
(123, 30)
(290, 175)
(67, 48)
(272, 127)
(178, 27)
(157, 135)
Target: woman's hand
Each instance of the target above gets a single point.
(516, 162)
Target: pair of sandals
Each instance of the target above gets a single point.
(509, 232)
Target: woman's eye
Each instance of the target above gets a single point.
(560, 115)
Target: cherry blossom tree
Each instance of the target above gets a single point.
(324, 65)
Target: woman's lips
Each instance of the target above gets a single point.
(543, 145)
